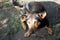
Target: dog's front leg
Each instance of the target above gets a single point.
(49, 28)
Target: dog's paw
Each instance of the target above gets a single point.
(50, 31)
(27, 34)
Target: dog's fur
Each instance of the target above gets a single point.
(31, 7)
(34, 17)
(32, 22)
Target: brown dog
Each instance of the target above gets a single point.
(33, 22)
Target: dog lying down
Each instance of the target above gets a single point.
(31, 22)
(34, 17)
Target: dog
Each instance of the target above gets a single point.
(34, 17)
(32, 22)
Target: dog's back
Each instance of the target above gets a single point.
(35, 7)
(31, 7)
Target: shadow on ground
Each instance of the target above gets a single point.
(10, 28)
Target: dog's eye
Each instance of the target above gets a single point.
(41, 15)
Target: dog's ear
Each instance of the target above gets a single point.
(42, 15)
(23, 18)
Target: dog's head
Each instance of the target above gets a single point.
(33, 20)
